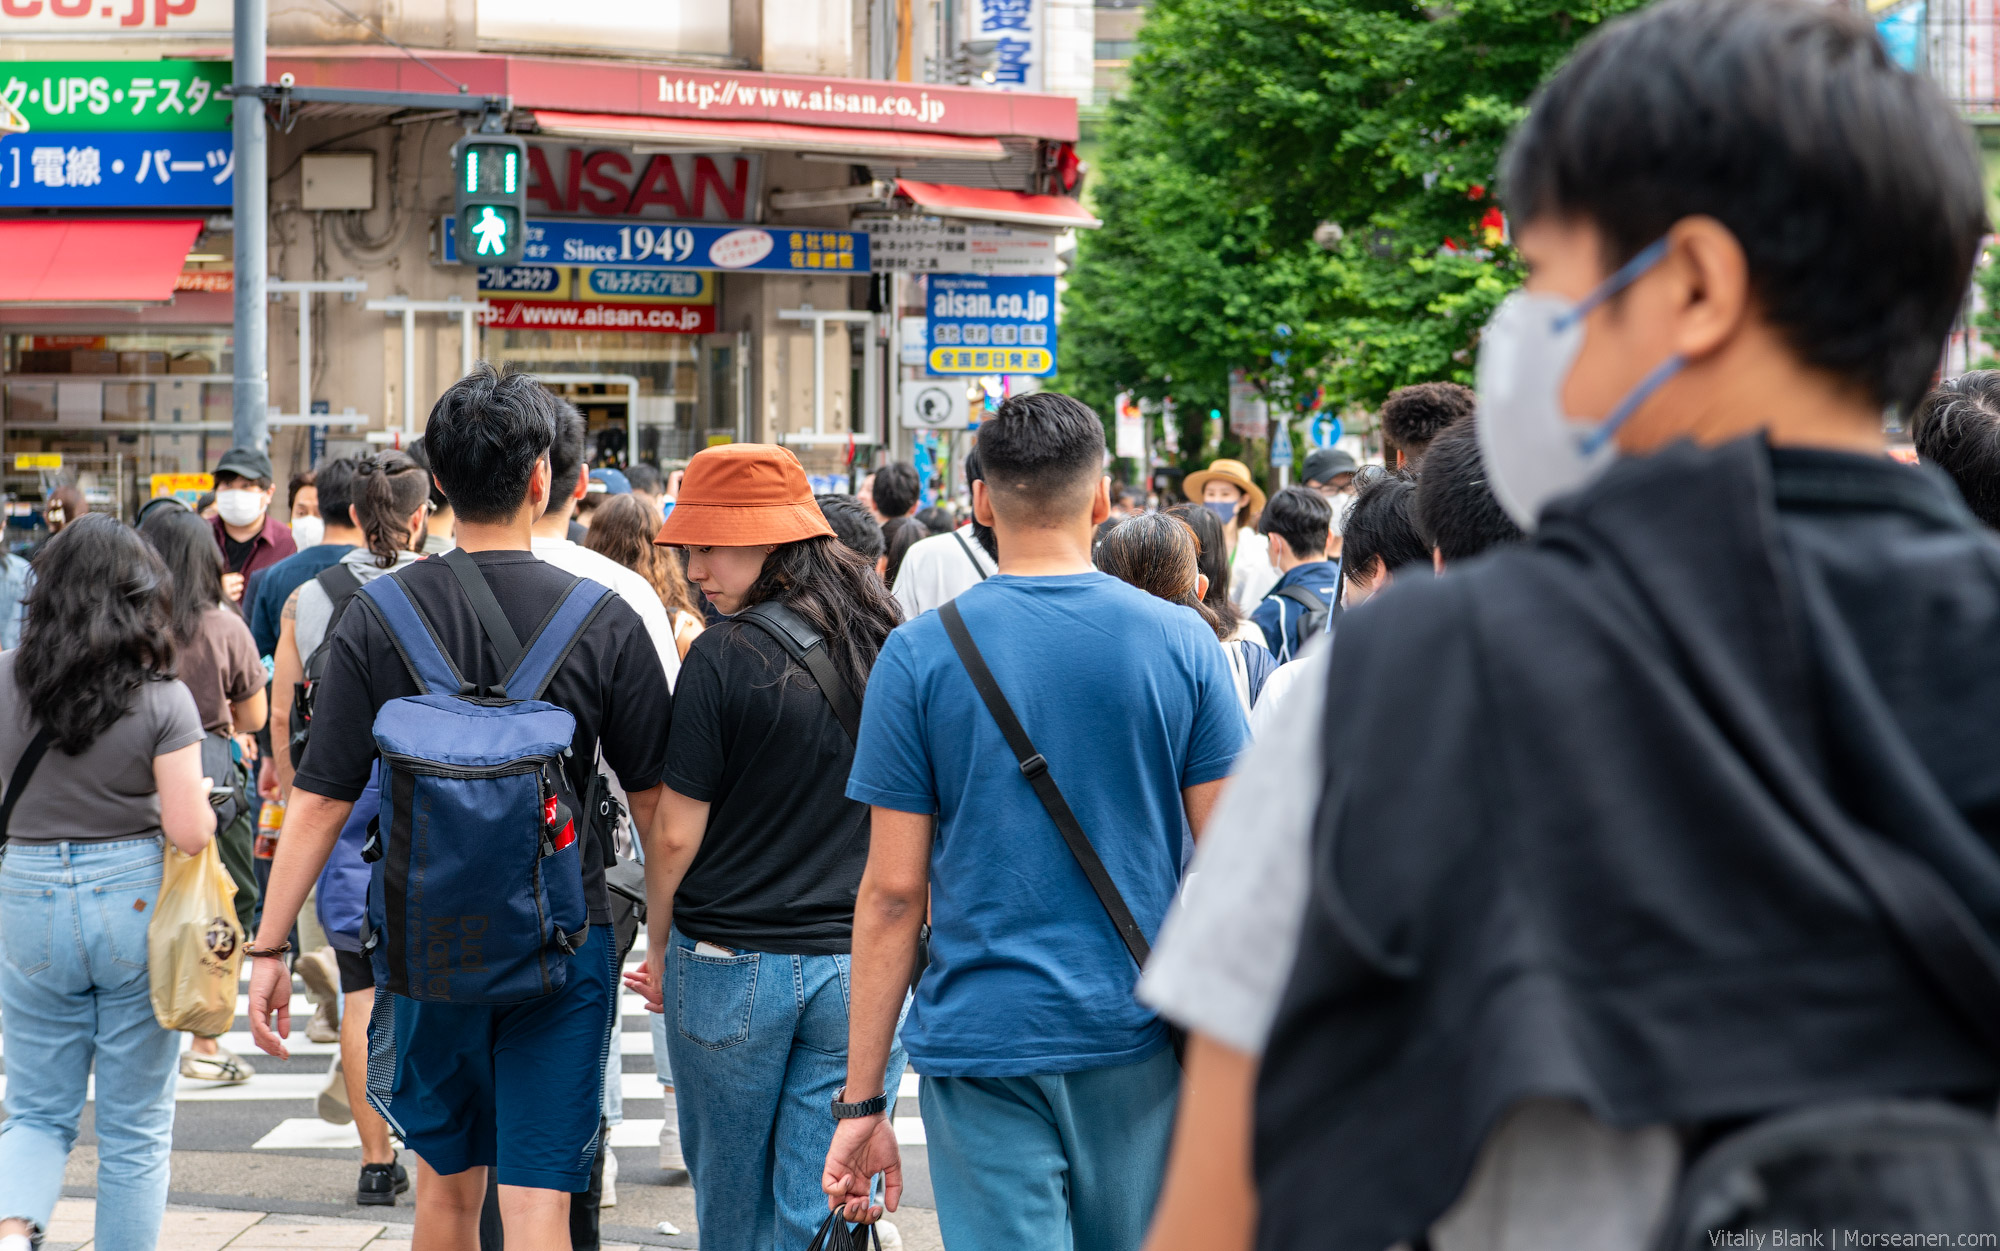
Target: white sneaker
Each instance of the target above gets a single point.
(671, 1158)
(333, 1107)
(891, 1240)
(321, 974)
(610, 1199)
(225, 1066)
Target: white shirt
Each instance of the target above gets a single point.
(938, 570)
(1251, 573)
(625, 583)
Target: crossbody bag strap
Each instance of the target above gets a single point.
(499, 631)
(804, 644)
(38, 746)
(1036, 770)
(978, 566)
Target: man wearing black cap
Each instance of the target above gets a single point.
(250, 540)
(1330, 471)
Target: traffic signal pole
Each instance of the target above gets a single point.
(251, 395)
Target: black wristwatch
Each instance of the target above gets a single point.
(855, 1111)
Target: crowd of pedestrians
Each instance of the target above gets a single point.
(1577, 831)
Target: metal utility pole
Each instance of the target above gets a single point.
(250, 397)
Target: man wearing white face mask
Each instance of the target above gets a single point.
(1669, 833)
(250, 538)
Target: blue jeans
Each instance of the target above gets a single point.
(74, 989)
(759, 1046)
(1056, 1162)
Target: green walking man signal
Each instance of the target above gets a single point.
(490, 196)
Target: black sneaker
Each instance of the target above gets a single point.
(380, 1184)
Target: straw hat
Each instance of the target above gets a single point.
(1235, 473)
(743, 495)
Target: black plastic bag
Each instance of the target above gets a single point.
(836, 1234)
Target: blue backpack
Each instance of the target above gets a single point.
(476, 894)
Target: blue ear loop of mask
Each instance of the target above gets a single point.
(1627, 274)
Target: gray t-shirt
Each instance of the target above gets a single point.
(107, 792)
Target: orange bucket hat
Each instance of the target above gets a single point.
(743, 495)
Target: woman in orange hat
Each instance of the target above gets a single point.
(751, 890)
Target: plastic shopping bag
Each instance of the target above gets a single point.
(194, 947)
(836, 1234)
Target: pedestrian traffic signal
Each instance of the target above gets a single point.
(490, 192)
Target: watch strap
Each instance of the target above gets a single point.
(866, 1107)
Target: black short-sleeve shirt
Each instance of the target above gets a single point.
(611, 682)
(755, 739)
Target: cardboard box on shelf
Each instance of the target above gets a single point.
(190, 365)
(93, 361)
(45, 361)
(142, 362)
(128, 401)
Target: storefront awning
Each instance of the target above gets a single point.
(93, 262)
(861, 145)
(1050, 212)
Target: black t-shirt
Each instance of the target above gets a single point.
(236, 552)
(755, 739)
(611, 682)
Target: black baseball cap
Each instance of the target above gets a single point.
(1324, 464)
(248, 462)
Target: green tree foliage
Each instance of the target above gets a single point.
(1251, 122)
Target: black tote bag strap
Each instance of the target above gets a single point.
(38, 746)
(499, 631)
(1036, 770)
(978, 566)
(803, 643)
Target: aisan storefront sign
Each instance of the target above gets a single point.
(576, 179)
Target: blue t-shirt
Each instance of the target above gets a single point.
(1129, 699)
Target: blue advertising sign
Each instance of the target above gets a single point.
(987, 324)
(669, 245)
(110, 169)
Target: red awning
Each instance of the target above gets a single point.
(93, 262)
(1050, 212)
(775, 136)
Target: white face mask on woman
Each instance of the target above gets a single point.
(238, 507)
(1534, 451)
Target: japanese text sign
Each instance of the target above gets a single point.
(987, 324)
(118, 95)
(668, 245)
(110, 170)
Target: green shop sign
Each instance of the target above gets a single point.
(72, 96)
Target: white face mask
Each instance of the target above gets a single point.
(239, 507)
(1533, 450)
(308, 531)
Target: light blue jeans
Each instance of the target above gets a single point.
(1059, 1162)
(759, 1046)
(73, 989)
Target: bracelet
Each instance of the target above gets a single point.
(266, 952)
(854, 1111)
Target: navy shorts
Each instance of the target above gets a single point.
(518, 1087)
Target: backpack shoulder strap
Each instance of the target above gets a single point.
(38, 747)
(340, 583)
(1036, 770)
(804, 644)
(978, 565)
(1305, 599)
(554, 638)
(414, 639)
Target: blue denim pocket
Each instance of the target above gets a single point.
(123, 904)
(27, 926)
(714, 996)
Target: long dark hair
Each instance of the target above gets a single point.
(186, 546)
(900, 534)
(1212, 556)
(831, 586)
(1157, 554)
(97, 629)
(387, 489)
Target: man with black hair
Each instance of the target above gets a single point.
(1957, 428)
(647, 485)
(1598, 800)
(896, 491)
(1456, 508)
(516, 1089)
(439, 526)
(1296, 525)
(853, 526)
(250, 538)
(938, 569)
(272, 587)
(1048, 1090)
(1412, 416)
